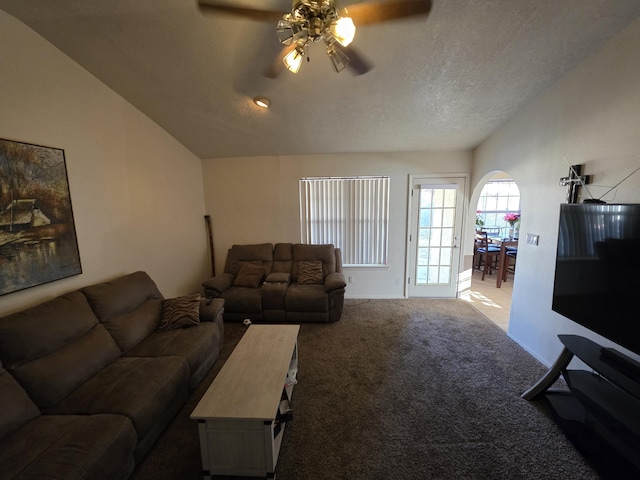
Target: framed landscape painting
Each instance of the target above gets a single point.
(38, 241)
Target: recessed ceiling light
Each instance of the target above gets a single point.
(262, 102)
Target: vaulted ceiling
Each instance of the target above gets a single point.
(445, 81)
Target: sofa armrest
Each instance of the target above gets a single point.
(279, 278)
(334, 281)
(218, 284)
(211, 309)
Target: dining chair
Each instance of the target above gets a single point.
(510, 261)
(487, 254)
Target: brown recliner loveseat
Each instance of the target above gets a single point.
(284, 282)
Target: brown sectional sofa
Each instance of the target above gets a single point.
(284, 282)
(87, 383)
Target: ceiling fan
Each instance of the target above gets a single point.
(321, 20)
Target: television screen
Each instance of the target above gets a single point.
(597, 277)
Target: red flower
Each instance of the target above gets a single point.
(512, 218)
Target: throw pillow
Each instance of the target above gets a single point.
(180, 312)
(278, 277)
(250, 275)
(310, 273)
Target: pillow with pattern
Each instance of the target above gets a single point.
(180, 312)
(310, 273)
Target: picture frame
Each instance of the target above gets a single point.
(38, 242)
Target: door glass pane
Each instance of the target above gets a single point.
(423, 237)
(445, 274)
(447, 236)
(425, 217)
(438, 197)
(448, 217)
(425, 197)
(421, 275)
(436, 217)
(434, 256)
(423, 256)
(435, 235)
(450, 198)
(432, 277)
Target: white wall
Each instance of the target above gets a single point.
(256, 200)
(137, 194)
(592, 117)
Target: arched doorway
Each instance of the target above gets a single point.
(496, 203)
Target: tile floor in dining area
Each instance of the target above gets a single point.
(494, 302)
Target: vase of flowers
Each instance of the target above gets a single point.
(512, 219)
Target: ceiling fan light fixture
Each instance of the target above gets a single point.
(289, 32)
(293, 59)
(343, 30)
(316, 20)
(284, 32)
(338, 58)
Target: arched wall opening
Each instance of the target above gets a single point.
(490, 296)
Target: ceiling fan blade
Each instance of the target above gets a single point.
(357, 63)
(277, 66)
(368, 13)
(250, 13)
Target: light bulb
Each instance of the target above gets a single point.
(343, 30)
(293, 59)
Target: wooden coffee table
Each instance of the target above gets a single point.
(240, 417)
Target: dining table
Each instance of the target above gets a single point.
(503, 243)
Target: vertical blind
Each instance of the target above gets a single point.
(350, 213)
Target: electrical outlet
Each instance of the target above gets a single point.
(350, 279)
(532, 239)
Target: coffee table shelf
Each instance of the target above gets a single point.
(238, 416)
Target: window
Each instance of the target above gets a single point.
(498, 197)
(351, 213)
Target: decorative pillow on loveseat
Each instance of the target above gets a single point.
(250, 275)
(180, 312)
(310, 272)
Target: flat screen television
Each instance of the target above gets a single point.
(597, 277)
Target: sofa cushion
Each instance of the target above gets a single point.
(180, 312)
(63, 447)
(250, 275)
(139, 388)
(282, 257)
(198, 346)
(277, 277)
(239, 254)
(324, 253)
(242, 299)
(214, 286)
(52, 348)
(129, 307)
(306, 298)
(17, 408)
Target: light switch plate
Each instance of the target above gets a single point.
(532, 239)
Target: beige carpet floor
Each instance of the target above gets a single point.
(400, 389)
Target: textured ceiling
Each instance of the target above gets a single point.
(445, 81)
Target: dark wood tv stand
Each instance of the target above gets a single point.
(600, 412)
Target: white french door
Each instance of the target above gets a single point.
(436, 211)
